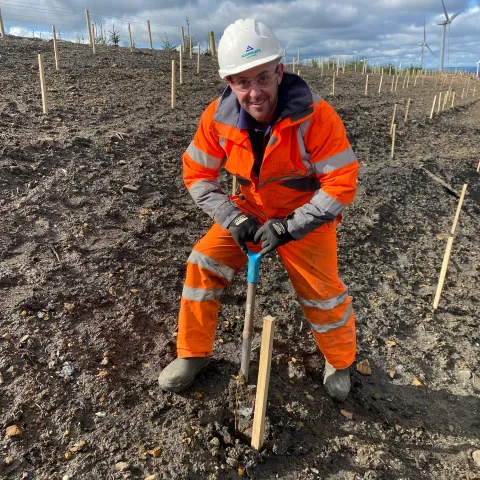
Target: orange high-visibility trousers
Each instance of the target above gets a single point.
(311, 264)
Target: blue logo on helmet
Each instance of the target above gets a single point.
(250, 52)
(249, 49)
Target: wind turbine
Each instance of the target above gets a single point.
(448, 20)
(423, 45)
(478, 67)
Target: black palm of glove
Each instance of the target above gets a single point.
(273, 234)
(243, 229)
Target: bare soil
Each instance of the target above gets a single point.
(96, 227)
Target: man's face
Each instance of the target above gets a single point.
(259, 101)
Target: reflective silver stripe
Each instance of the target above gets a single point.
(334, 162)
(332, 326)
(304, 155)
(200, 294)
(324, 304)
(222, 141)
(203, 158)
(316, 98)
(322, 208)
(208, 195)
(211, 265)
(324, 202)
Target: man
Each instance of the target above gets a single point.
(289, 152)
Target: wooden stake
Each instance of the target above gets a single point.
(293, 64)
(94, 44)
(448, 250)
(261, 396)
(390, 71)
(433, 106)
(366, 86)
(396, 82)
(173, 82)
(214, 46)
(181, 65)
(198, 59)
(2, 28)
(191, 46)
(393, 118)
(393, 139)
(404, 81)
(130, 37)
(333, 84)
(149, 34)
(42, 83)
(322, 68)
(439, 101)
(453, 99)
(183, 38)
(463, 91)
(408, 107)
(234, 186)
(54, 36)
(393, 81)
(478, 168)
(380, 87)
(89, 28)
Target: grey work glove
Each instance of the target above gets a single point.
(273, 234)
(243, 229)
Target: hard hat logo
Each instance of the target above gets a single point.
(261, 47)
(250, 52)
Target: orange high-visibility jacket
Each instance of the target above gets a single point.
(309, 170)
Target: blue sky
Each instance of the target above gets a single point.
(382, 30)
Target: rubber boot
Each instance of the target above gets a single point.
(337, 382)
(179, 374)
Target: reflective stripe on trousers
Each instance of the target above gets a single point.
(311, 264)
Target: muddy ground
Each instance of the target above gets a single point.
(96, 227)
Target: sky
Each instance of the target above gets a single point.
(383, 31)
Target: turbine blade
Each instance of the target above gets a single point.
(430, 50)
(445, 10)
(453, 16)
(424, 32)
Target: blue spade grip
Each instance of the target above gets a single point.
(253, 266)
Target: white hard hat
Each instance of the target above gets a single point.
(246, 44)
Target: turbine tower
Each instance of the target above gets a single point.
(423, 45)
(478, 67)
(448, 20)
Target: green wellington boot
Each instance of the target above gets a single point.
(179, 374)
(337, 382)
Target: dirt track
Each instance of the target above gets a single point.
(91, 271)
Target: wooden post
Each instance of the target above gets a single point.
(213, 43)
(94, 45)
(439, 101)
(89, 28)
(333, 84)
(463, 91)
(198, 59)
(408, 107)
(183, 38)
(448, 250)
(54, 37)
(393, 118)
(396, 82)
(42, 83)
(293, 64)
(415, 83)
(2, 28)
(433, 106)
(393, 139)
(393, 81)
(322, 68)
(366, 86)
(380, 87)
(453, 99)
(181, 65)
(263, 381)
(338, 65)
(234, 186)
(191, 46)
(478, 168)
(130, 37)
(404, 80)
(173, 82)
(149, 34)
(390, 71)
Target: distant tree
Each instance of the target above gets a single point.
(100, 34)
(114, 37)
(166, 44)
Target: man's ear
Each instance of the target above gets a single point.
(280, 73)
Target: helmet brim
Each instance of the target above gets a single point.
(250, 65)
